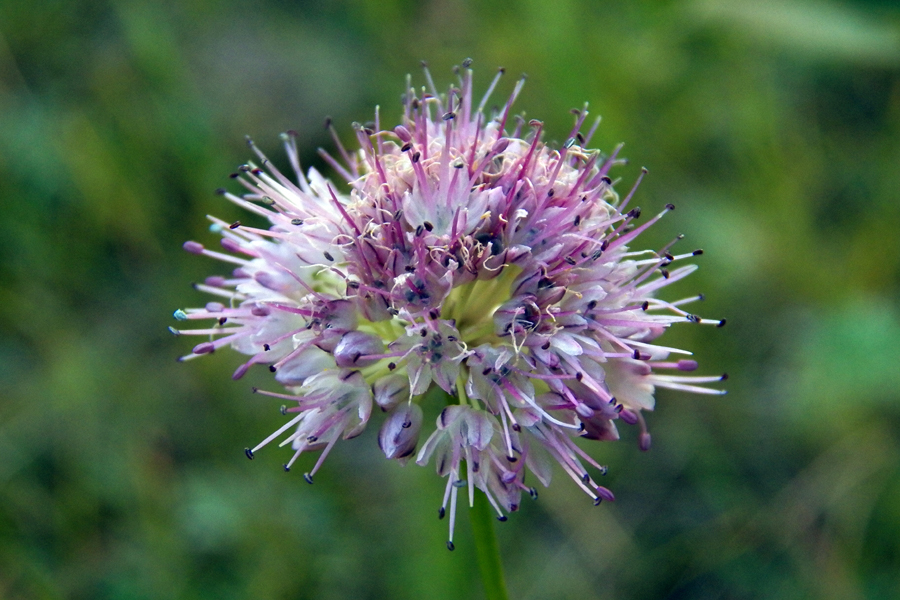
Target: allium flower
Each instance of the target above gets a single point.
(465, 257)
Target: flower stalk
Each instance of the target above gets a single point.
(487, 550)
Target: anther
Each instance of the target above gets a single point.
(637, 355)
(223, 320)
(221, 191)
(328, 256)
(428, 226)
(267, 347)
(670, 206)
(297, 222)
(692, 318)
(501, 518)
(516, 427)
(287, 469)
(723, 377)
(634, 213)
(308, 478)
(441, 512)
(406, 147)
(193, 247)
(392, 366)
(569, 143)
(579, 376)
(273, 368)
(533, 493)
(577, 220)
(283, 410)
(722, 323)
(249, 453)
(174, 331)
(234, 225)
(416, 156)
(597, 501)
(645, 305)
(664, 273)
(467, 63)
(697, 252)
(448, 115)
(450, 546)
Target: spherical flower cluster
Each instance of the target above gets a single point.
(466, 258)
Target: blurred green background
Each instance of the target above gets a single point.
(773, 126)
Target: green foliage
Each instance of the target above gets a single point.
(775, 129)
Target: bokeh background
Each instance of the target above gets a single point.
(773, 126)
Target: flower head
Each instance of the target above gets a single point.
(465, 257)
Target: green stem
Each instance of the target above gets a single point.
(487, 549)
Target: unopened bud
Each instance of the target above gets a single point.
(391, 390)
(353, 347)
(400, 432)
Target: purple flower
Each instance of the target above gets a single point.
(466, 255)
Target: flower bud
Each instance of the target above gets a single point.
(304, 365)
(400, 432)
(390, 391)
(354, 346)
